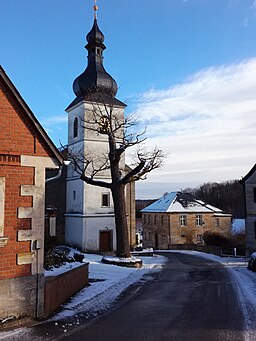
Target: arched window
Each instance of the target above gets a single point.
(75, 127)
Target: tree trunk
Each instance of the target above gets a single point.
(123, 247)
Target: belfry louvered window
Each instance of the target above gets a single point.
(75, 127)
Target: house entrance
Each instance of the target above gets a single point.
(105, 241)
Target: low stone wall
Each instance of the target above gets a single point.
(59, 288)
(216, 250)
(21, 297)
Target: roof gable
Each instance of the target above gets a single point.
(11, 90)
(249, 174)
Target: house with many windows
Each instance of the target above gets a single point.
(249, 186)
(180, 218)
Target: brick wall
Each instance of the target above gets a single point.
(17, 137)
(23, 155)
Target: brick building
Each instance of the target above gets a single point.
(179, 218)
(25, 153)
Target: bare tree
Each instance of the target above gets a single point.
(119, 134)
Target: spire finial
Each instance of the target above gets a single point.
(95, 7)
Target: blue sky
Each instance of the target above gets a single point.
(188, 67)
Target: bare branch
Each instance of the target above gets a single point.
(148, 161)
(93, 182)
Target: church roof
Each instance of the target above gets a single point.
(181, 203)
(95, 78)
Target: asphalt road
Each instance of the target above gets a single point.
(191, 299)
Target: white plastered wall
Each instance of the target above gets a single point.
(85, 216)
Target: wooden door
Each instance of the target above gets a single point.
(105, 241)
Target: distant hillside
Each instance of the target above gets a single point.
(227, 196)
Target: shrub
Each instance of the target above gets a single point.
(215, 239)
(57, 256)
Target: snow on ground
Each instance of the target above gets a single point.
(108, 282)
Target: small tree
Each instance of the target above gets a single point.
(120, 134)
(215, 239)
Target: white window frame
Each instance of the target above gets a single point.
(199, 220)
(183, 220)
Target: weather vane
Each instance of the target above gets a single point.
(95, 7)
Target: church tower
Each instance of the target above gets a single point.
(90, 223)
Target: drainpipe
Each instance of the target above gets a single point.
(66, 163)
(38, 246)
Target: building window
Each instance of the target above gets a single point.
(75, 127)
(105, 202)
(162, 220)
(168, 220)
(199, 239)
(199, 220)
(149, 236)
(144, 219)
(74, 195)
(155, 219)
(217, 222)
(149, 219)
(183, 220)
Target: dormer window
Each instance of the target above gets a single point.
(75, 127)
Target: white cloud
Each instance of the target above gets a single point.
(206, 124)
(55, 119)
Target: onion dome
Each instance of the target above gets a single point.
(95, 79)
